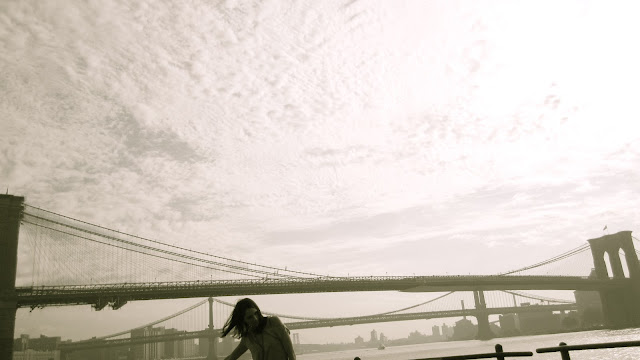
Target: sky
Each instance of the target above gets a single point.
(334, 137)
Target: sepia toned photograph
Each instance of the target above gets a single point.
(319, 179)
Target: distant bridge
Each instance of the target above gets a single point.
(101, 343)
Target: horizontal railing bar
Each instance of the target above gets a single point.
(608, 345)
(483, 356)
(499, 354)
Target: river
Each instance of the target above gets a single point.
(520, 343)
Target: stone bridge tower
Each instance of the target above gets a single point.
(484, 329)
(621, 307)
(10, 215)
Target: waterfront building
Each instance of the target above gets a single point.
(42, 343)
(295, 338)
(30, 354)
(569, 320)
(447, 331)
(416, 337)
(156, 350)
(139, 349)
(190, 348)
(496, 329)
(435, 331)
(589, 308)
(464, 330)
(509, 324)
(203, 346)
(148, 351)
(21, 343)
(359, 340)
(171, 347)
(374, 336)
(89, 354)
(174, 348)
(538, 322)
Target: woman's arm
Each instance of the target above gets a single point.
(237, 352)
(283, 333)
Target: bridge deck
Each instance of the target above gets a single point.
(96, 294)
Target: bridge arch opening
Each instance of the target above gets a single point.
(623, 262)
(607, 264)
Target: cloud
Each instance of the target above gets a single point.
(340, 137)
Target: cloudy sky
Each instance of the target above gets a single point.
(335, 137)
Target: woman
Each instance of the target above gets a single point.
(266, 337)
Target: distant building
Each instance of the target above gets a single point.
(21, 343)
(569, 320)
(383, 339)
(509, 324)
(495, 328)
(447, 331)
(189, 348)
(295, 338)
(36, 355)
(374, 336)
(148, 351)
(464, 330)
(538, 322)
(203, 346)
(359, 340)
(416, 337)
(138, 350)
(156, 350)
(44, 343)
(589, 308)
(39, 344)
(86, 354)
(172, 348)
(435, 331)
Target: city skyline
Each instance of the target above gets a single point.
(541, 321)
(112, 320)
(338, 138)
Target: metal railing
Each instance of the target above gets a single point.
(564, 349)
(499, 354)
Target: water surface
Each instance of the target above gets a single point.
(520, 343)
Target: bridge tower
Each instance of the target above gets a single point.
(621, 307)
(213, 338)
(484, 331)
(10, 215)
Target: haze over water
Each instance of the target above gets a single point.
(520, 343)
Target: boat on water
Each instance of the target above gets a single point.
(381, 347)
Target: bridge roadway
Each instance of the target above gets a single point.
(119, 294)
(90, 344)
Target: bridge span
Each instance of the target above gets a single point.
(118, 294)
(298, 325)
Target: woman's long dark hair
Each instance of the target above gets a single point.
(236, 319)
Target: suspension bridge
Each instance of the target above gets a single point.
(74, 262)
(190, 323)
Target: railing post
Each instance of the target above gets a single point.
(499, 351)
(564, 353)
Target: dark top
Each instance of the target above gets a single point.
(273, 343)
